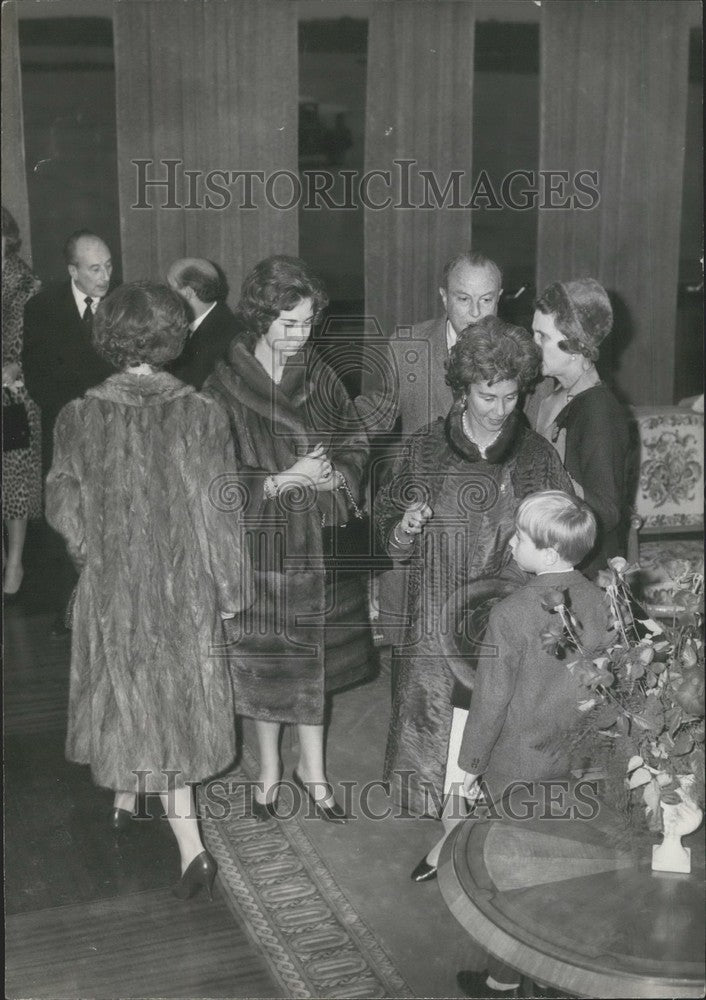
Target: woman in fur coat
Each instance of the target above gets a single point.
(134, 490)
(302, 451)
(449, 510)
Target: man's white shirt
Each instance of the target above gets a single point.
(195, 324)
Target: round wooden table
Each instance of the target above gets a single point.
(557, 900)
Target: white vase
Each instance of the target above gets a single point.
(680, 819)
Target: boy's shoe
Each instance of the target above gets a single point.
(473, 984)
(537, 992)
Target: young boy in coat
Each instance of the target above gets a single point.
(524, 697)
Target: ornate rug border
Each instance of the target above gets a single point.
(246, 901)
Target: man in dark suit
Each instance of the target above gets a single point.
(213, 325)
(58, 358)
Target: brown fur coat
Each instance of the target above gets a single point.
(134, 491)
(282, 653)
(473, 502)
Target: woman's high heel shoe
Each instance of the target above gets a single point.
(262, 811)
(332, 814)
(423, 872)
(201, 872)
(119, 820)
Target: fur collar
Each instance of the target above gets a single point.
(244, 378)
(500, 450)
(140, 390)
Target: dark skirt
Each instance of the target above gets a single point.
(304, 637)
(348, 648)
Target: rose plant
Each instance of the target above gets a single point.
(641, 695)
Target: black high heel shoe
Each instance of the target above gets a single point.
(262, 811)
(119, 820)
(332, 814)
(201, 872)
(423, 872)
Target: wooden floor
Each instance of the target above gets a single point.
(87, 916)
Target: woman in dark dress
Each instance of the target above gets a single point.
(302, 451)
(581, 417)
(449, 509)
(133, 490)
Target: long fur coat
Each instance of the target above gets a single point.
(135, 490)
(473, 502)
(302, 637)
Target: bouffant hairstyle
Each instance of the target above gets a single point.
(10, 232)
(277, 284)
(140, 322)
(582, 313)
(493, 351)
(555, 520)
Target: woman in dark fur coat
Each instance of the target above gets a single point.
(449, 509)
(302, 451)
(134, 490)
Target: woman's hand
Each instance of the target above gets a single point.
(312, 469)
(331, 483)
(412, 523)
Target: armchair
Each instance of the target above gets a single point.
(669, 501)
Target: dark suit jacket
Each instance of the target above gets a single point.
(427, 397)
(403, 385)
(59, 361)
(205, 346)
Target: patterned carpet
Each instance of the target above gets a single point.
(277, 884)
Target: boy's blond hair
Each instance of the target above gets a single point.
(553, 519)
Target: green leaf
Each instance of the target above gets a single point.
(640, 722)
(635, 670)
(641, 776)
(645, 654)
(683, 744)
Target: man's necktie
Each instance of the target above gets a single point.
(88, 315)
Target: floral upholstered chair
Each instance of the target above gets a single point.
(666, 531)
